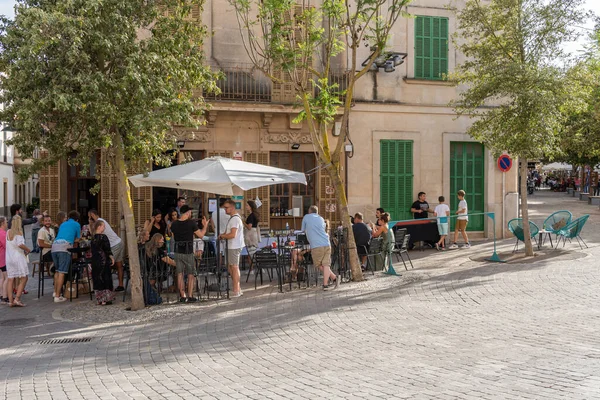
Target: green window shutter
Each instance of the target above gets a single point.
(396, 177)
(431, 47)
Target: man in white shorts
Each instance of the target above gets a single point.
(234, 234)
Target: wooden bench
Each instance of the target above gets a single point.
(594, 200)
(584, 196)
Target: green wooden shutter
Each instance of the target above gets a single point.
(467, 173)
(431, 47)
(396, 177)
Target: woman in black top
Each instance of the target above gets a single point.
(251, 231)
(102, 261)
(156, 224)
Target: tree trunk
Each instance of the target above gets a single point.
(524, 208)
(340, 193)
(137, 296)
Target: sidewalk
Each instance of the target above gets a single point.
(455, 327)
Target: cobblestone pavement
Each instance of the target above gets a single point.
(454, 327)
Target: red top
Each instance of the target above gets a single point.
(2, 248)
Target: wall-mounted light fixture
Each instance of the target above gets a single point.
(181, 144)
(388, 60)
(295, 146)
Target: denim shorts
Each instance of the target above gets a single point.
(62, 261)
(443, 229)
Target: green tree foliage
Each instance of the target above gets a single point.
(579, 140)
(515, 89)
(300, 44)
(83, 75)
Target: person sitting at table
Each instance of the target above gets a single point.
(362, 237)
(157, 260)
(384, 231)
(102, 262)
(378, 213)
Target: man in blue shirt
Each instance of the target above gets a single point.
(68, 233)
(315, 228)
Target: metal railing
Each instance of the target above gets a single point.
(160, 280)
(245, 83)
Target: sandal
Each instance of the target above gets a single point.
(17, 303)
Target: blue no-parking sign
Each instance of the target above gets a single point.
(505, 163)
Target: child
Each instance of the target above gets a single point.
(461, 221)
(442, 211)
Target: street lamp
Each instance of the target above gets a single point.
(387, 60)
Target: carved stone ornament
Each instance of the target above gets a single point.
(201, 136)
(211, 118)
(287, 137)
(266, 119)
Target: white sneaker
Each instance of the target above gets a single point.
(453, 246)
(59, 299)
(466, 246)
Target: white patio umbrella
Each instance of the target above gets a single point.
(557, 167)
(217, 175)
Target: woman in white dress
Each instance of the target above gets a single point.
(16, 261)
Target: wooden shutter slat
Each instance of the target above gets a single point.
(50, 188)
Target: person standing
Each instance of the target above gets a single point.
(3, 275)
(116, 246)
(156, 224)
(16, 209)
(184, 230)
(320, 247)
(45, 239)
(180, 203)
(102, 261)
(68, 234)
(442, 212)
(420, 208)
(461, 221)
(251, 231)
(17, 266)
(234, 234)
(35, 228)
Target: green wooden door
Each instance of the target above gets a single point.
(466, 173)
(396, 178)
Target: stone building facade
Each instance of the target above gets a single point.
(405, 137)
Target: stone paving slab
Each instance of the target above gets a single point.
(454, 327)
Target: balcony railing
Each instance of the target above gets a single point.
(245, 83)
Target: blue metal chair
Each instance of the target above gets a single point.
(557, 220)
(573, 231)
(515, 226)
(553, 224)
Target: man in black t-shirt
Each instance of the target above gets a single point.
(420, 208)
(183, 231)
(362, 237)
